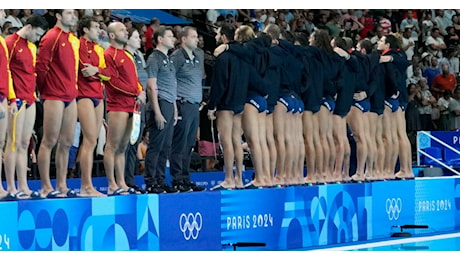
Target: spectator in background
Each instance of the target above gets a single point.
(6, 29)
(444, 80)
(430, 72)
(153, 26)
(413, 117)
(435, 43)
(50, 17)
(13, 17)
(107, 16)
(442, 21)
(451, 39)
(408, 44)
(454, 108)
(25, 14)
(451, 57)
(427, 101)
(411, 22)
(446, 118)
(128, 23)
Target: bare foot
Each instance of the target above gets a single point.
(90, 192)
(404, 175)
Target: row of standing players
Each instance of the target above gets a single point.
(294, 97)
(73, 76)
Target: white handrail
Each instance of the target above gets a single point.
(440, 162)
(431, 157)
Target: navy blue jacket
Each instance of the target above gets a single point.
(344, 99)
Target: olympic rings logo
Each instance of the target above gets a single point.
(393, 208)
(190, 224)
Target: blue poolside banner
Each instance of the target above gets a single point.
(435, 205)
(280, 218)
(190, 221)
(253, 216)
(392, 205)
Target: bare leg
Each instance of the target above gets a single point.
(53, 111)
(66, 138)
(250, 126)
(279, 120)
(224, 127)
(91, 122)
(356, 122)
(3, 128)
(271, 147)
(310, 153)
(117, 123)
(237, 133)
(405, 153)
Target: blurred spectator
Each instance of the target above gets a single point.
(446, 118)
(25, 14)
(454, 108)
(445, 80)
(451, 57)
(411, 22)
(13, 17)
(50, 17)
(442, 21)
(432, 70)
(456, 24)
(408, 44)
(427, 100)
(367, 20)
(451, 39)
(413, 117)
(435, 43)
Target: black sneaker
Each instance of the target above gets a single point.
(169, 189)
(136, 188)
(195, 187)
(155, 188)
(183, 188)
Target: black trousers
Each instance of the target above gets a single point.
(159, 147)
(184, 139)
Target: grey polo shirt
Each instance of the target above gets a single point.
(189, 74)
(161, 67)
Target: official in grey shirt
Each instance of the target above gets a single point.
(162, 95)
(189, 64)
